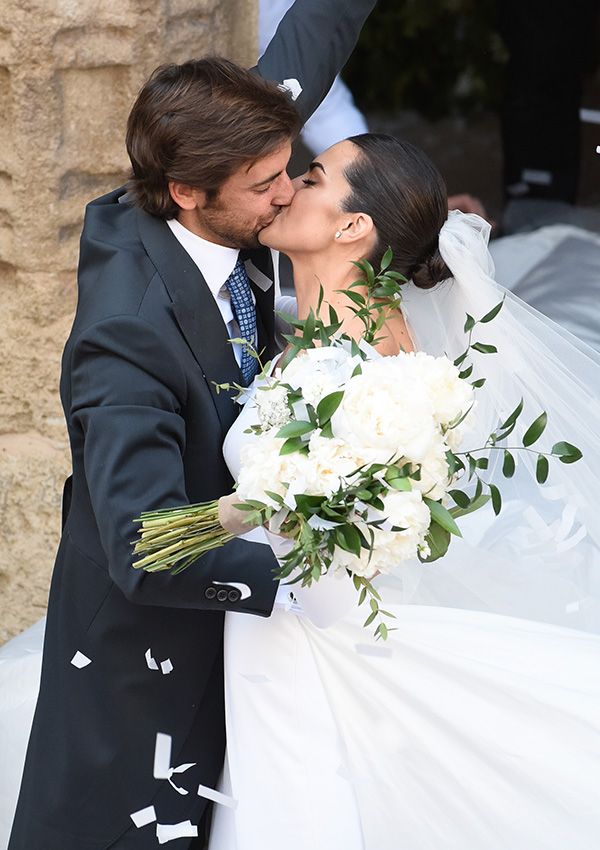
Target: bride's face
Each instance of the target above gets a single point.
(310, 222)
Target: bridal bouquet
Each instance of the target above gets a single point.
(356, 457)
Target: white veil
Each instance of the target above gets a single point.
(540, 558)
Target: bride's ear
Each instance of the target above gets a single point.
(357, 226)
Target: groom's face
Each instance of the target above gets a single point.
(247, 202)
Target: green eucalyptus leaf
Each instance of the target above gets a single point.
(496, 499)
(493, 312)
(442, 516)
(482, 348)
(542, 469)
(438, 540)
(469, 324)
(460, 497)
(535, 430)
(508, 466)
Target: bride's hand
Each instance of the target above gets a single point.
(232, 519)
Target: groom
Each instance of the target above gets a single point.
(162, 286)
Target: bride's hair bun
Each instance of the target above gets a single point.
(430, 272)
(402, 191)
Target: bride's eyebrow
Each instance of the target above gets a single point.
(316, 164)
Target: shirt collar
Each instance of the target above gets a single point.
(216, 262)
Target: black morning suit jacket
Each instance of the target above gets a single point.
(146, 428)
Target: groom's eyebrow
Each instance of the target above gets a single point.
(266, 180)
(316, 164)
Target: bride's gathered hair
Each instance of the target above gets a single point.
(401, 189)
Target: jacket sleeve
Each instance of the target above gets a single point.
(128, 392)
(311, 46)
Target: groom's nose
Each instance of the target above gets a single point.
(284, 191)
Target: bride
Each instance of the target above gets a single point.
(476, 726)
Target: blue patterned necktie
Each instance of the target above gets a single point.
(244, 311)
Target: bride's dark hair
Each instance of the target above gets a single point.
(401, 189)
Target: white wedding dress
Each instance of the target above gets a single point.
(466, 730)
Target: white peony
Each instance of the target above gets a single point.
(434, 472)
(330, 462)
(387, 410)
(317, 372)
(450, 395)
(263, 468)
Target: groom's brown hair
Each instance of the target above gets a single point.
(197, 123)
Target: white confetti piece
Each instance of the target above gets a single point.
(80, 660)
(256, 678)
(152, 665)
(162, 756)
(170, 831)
(166, 666)
(144, 816)
(292, 86)
(216, 796)
(368, 649)
(598, 149)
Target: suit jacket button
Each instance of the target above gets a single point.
(234, 595)
(221, 595)
(210, 593)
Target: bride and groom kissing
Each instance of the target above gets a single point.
(328, 743)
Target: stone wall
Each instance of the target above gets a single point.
(69, 71)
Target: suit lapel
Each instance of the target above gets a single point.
(196, 311)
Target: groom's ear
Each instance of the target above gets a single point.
(187, 197)
(357, 227)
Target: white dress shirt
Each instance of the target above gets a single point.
(216, 262)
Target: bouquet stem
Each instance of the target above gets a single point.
(173, 539)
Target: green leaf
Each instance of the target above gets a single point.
(541, 469)
(442, 516)
(387, 258)
(294, 444)
(513, 417)
(327, 431)
(275, 496)
(478, 383)
(466, 373)
(438, 540)
(461, 359)
(476, 503)
(469, 324)
(295, 429)
(482, 348)
(508, 467)
(496, 499)
(333, 316)
(320, 301)
(567, 452)
(460, 497)
(535, 430)
(402, 484)
(493, 312)
(348, 538)
(328, 405)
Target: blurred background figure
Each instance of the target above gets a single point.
(338, 116)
